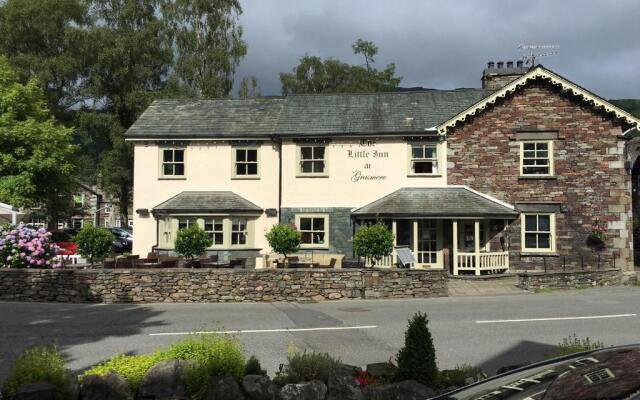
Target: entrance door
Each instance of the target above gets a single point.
(430, 243)
(404, 233)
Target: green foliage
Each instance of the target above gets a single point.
(306, 366)
(284, 239)
(248, 87)
(253, 367)
(417, 359)
(631, 106)
(574, 344)
(192, 241)
(313, 75)
(373, 241)
(458, 375)
(94, 243)
(131, 368)
(39, 364)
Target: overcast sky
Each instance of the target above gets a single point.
(446, 44)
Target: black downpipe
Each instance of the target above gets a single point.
(279, 143)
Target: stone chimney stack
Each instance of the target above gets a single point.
(496, 75)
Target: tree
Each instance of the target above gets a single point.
(417, 359)
(208, 42)
(248, 87)
(284, 239)
(94, 243)
(192, 241)
(373, 242)
(36, 153)
(313, 75)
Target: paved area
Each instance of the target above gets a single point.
(484, 286)
(489, 331)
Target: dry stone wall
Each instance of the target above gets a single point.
(211, 285)
(569, 280)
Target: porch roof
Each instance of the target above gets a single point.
(447, 202)
(207, 202)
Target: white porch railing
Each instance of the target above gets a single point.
(384, 262)
(71, 260)
(487, 261)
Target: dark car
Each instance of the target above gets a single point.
(122, 240)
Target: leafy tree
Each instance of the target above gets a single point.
(116, 174)
(208, 42)
(36, 154)
(94, 243)
(417, 359)
(284, 239)
(313, 75)
(373, 242)
(192, 241)
(248, 87)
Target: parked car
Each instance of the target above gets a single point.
(64, 241)
(122, 240)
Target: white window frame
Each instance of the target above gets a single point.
(434, 160)
(75, 202)
(213, 231)
(552, 232)
(173, 162)
(189, 221)
(73, 223)
(549, 158)
(244, 231)
(325, 217)
(300, 160)
(234, 171)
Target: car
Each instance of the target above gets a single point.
(122, 240)
(65, 243)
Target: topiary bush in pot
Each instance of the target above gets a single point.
(94, 243)
(284, 239)
(191, 242)
(373, 242)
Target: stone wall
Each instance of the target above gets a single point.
(590, 183)
(214, 285)
(569, 280)
(340, 227)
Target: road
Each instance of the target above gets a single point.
(488, 331)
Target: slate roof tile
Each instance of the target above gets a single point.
(207, 202)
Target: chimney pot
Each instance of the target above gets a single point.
(519, 64)
(491, 65)
(500, 64)
(509, 64)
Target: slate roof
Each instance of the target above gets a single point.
(207, 202)
(303, 115)
(451, 201)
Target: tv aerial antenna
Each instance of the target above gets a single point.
(533, 52)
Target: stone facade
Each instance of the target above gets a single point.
(209, 285)
(590, 184)
(340, 227)
(569, 280)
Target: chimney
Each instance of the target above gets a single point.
(496, 78)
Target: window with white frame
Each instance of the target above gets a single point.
(172, 163)
(536, 158)
(313, 229)
(245, 162)
(239, 231)
(77, 223)
(424, 159)
(186, 222)
(312, 160)
(78, 200)
(538, 232)
(215, 228)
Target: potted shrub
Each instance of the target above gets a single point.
(597, 238)
(284, 239)
(373, 242)
(94, 243)
(191, 242)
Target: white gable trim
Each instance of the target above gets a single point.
(535, 73)
(486, 196)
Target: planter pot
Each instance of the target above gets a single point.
(595, 243)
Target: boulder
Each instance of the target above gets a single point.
(341, 385)
(384, 370)
(314, 390)
(224, 388)
(165, 381)
(36, 391)
(106, 387)
(259, 387)
(405, 390)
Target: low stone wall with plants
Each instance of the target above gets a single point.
(569, 280)
(214, 285)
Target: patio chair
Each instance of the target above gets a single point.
(170, 263)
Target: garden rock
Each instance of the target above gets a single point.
(259, 387)
(224, 388)
(314, 390)
(36, 391)
(107, 387)
(384, 370)
(165, 381)
(341, 385)
(405, 390)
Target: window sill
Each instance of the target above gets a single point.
(316, 247)
(539, 254)
(424, 175)
(172, 178)
(245, 178)
(537, 177)
(312, 175)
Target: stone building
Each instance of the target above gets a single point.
(516, 175)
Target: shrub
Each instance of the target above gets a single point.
(373, 242)
(24, 247)
(253, 367)
(417, 359)
(192, 241)
(131, 368)
(574, 344)
(458, 375)
(39, 364)
(284, 239)
(306, 366)
(94, 243)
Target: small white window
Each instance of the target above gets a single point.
(536, 158)
(239, 231)
(424, 159)
(186, 222)
(245, 162)
(538, 232)
(78, 200)
(312, 160)
(77, 223)
(214, 227)
(314, 230)
(172, 164)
